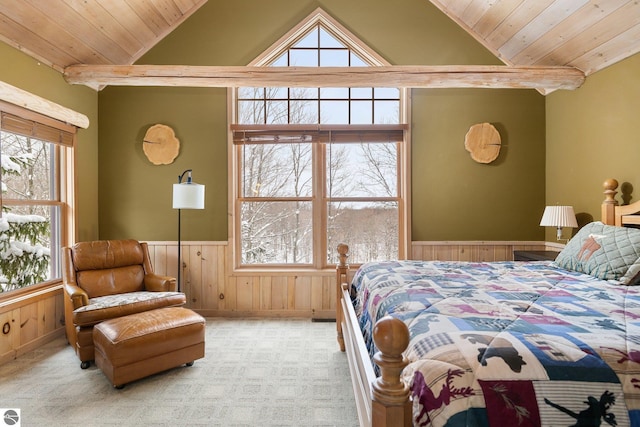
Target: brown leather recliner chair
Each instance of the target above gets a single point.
(105, 279)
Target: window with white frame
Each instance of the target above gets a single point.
(35, 154)
(318, 166)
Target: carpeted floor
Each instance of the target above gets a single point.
(275, 372)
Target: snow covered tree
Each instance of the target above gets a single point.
(24, 234)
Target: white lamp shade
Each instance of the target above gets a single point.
(559, 216)
(188, 195)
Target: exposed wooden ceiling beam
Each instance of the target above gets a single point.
(545, 79)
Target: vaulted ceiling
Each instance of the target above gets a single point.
(586, 34)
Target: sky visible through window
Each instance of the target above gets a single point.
(319, 105)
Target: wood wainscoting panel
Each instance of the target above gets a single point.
(213, 276)
(29, 321)
(213, 288)
(10, 334)
(50, 315)
(279, 292)
(194, 280)
(472, 250)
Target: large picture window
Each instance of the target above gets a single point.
(318, 166)
(35, 151)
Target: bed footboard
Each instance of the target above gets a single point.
(391, 405)
(342, 272)
(382, 401)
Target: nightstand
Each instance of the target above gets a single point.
(534, 255)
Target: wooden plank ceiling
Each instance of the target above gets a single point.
(585, 34)
(60, 33)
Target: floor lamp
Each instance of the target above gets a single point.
(186, 195)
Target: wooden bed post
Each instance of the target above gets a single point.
(609, 203)
(391, 406)
(342, 270)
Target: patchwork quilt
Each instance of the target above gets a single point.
(509, 343)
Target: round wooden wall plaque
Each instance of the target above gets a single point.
(160, 145)
(483, 142)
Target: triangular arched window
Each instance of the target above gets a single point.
(318, 42)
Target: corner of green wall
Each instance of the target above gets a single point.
(592, 135)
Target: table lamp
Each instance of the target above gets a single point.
(559, 216)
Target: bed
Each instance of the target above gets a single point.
(543, 343)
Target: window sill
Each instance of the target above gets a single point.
(29, 293)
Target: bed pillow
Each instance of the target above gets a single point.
(632, 276)
(603, 251)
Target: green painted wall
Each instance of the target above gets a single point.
(453, 197)
(593, 134)
(135, 195)
(24, 72)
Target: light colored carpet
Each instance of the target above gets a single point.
(275, 372)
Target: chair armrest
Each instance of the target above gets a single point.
(77, 295)
(157, 283)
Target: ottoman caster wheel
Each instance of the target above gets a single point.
(85, 364)
(190, 363)
(119, 387)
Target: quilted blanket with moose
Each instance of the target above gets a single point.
(509, 343)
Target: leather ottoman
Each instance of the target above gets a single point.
(132, 347)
